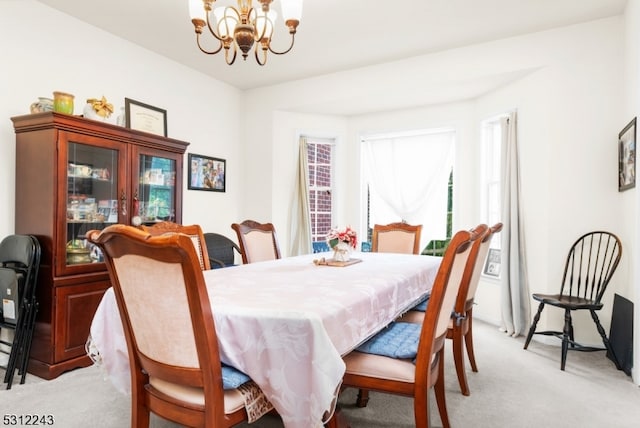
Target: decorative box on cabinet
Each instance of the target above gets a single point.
(74, 175)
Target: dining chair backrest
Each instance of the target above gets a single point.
(474, 267)
(447, 283)
(258, 241)
(194, 231)
(396, 238)
(481, 249)
(159, 287)
(590, 264)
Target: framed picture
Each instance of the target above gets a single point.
(492, 264)
(627, 157)
(144, 117)
(207, 173)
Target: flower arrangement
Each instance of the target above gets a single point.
(346, 235)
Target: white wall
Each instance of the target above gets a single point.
(631, 199)
(46, 50)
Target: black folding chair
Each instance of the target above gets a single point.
(19, 263)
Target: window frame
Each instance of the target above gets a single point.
(318, 232)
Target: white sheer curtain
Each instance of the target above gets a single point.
(516, 305)
(300, 225)
(408, 176)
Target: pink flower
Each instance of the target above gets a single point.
(347, 235)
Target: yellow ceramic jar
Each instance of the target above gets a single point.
(63, 102)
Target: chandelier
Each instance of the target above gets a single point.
(243, 27)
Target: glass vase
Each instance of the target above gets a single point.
(341, 252)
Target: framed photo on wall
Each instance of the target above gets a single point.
(627, 157)
(207, 173)
(492, 264)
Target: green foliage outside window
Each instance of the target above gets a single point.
(437, 247)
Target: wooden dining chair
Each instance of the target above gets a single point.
(592, 260)
(258, 241)
(416, 366)
(396, 238)
(159, 287)
(194, 231)
(460, 329)
(400, 238)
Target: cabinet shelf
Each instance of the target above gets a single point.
(90, 222)
(83, 177)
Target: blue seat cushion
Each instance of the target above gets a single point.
(232, 377)
(398, 340)
(422, 306)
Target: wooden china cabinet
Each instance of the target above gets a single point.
(74, 175)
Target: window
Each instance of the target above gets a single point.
(491, 189)
(406, 177)
(490, 192)
(320, 191)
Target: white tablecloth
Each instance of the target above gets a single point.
(287, 323)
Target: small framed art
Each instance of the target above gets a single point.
(627, 157)
(144, 117)
(492, 264)
(207, 173)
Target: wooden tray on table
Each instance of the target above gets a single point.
(332, 262)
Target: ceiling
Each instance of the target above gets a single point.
(337, 35)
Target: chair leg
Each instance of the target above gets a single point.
(458, 358)
(567, 333)
(572, 337)
(468, 340)
(16, 354)
(532, 329)
(363, 397)
(605, 340)
(440, 394)
(31, 325)
(140, 414)
(421, 412)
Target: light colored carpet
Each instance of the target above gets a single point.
(513, 388)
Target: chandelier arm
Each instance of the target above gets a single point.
(226, 55)
(211, 30)
(293, 39)
(206, 51)
(264, 55)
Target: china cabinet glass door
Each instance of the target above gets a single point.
(155, 196)
(92, 198)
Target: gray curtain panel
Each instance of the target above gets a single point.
(516, 304)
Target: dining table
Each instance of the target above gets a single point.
(287, 323)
